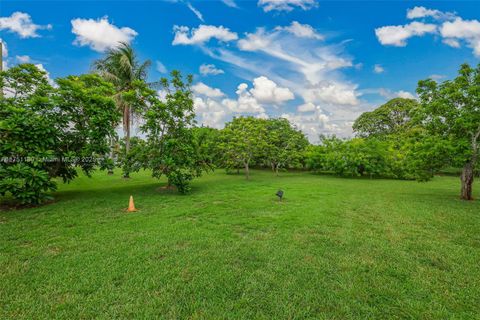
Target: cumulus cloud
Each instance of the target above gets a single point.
(213, 108)
(453, 30)
(398, 35)
(21, 23)
(202, 34)
(204, 90)
(206, 69)
(422, 12)
(210, 112)
(302, 30)
(267, 91)
(332, 92)
(286, 5)
(462, 30)
(378, 68)
(100, 35)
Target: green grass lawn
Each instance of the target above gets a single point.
(333, 249)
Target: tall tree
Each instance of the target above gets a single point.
(122, 68)
(390, 118)
(450, 111)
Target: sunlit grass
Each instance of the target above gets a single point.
(334, 248)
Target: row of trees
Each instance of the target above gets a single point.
(413, 139)
(244, 142)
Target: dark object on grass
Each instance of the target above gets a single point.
(279, 194)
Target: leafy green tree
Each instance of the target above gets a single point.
(46, 132)
(284, 144)
(243, 140)
(121, 67)
(450, 112)
(207, 141)
(390, 118)
(171, 149)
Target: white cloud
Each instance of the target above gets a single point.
(302, 30)
(214, 109)
(22, 24)
(230, 3)
(254, 41)
(286, 5)
(466, 30)
(100, 35)
(202, 34)
(398, 35)
(453, 29)
(160, 67)
(306, 107)
(332, 92)
(405, 94)
(210, 112)
(195, 11)
(23, 59)
(204, 90)
(318, 122)
(266, 91)
(42, 68)
(422, 12)
(245, 103)
(388, 94)
(206, 69)
(378, 68)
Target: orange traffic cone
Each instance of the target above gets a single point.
(131, 205)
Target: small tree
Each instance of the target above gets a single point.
(171, 149)
(243, 140)
(450, 112)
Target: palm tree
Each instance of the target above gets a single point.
(121, 67)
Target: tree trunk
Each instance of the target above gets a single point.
(112, 156)
(467, 182)
(247, 171)
(126, 130)
(276, 170)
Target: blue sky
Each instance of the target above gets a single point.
(319, 64)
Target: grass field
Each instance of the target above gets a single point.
(334, 249)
